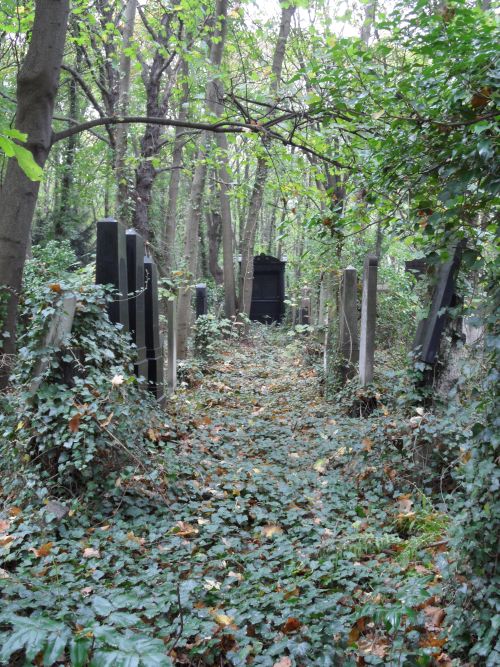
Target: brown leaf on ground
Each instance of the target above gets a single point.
(434, 617)
(4, 525)
(291, 625)
(357, 629)
(271, 530)
(89, 552)
(283, 662)
(44, 550)
(184, 529)
(373, 646)
(367, 444)
(74, 422)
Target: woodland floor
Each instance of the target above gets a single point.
(281, 534)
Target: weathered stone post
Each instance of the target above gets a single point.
(428, 336)
(152, 330)
(368, 320)
(305, 307)
(111, 267)
(171, 345)
(136, 305)
(201, 300)
(348, 325)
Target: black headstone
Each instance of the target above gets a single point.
(201, 300)
(136, 299)
(111, 267)
(268, 292)
(152, 330)
(418, 267)
(428, 337)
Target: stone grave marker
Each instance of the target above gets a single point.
(171, 346)
(111, 267)
(368, 320)
(305, 307)
(136, 298)
(430, 329)
(154, 352)
(348, 325)
(201, 300)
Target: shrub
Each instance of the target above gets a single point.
(89, 415)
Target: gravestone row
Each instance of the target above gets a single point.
(121, 262)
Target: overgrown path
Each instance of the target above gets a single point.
(273, 531)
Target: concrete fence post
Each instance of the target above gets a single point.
(348, 325)
(368, 320)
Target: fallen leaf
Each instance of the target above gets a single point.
(373, 646)
(15, 511)
(4, 525)
(184, 529)
(223, 619)
(405, 504)
(434, 617)
(367, 444)
(271, 530)
(357, 629)
(291, 625)
(107, 421)
(283, 662)
(55, 287)
(89, 552)
(320, 465)
(74, 422)
(153, 435)
(44, 550)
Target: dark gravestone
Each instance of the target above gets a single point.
(111, 267)
(430, 330)
(418, 267)
(268, 292)
(201, 300)
(152, 331)
(136, 300)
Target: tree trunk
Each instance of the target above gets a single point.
(37, 85)
(214, 236)
(249, 232)
(175, 178)
(123, 103)
(66, 209)
(366, 28)
(196, 195)
(191, 243)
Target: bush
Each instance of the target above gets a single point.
(89, 415)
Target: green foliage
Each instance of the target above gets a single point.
(208, 332)
(74, 428)
(8, 144)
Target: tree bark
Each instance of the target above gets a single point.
(175, 178)
(250, 229)
(158, 89)
(191, 242)
(37, 86)
(66, 211)
(123, 104)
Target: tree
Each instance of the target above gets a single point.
(37, 85)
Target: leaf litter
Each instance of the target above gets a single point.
(272, 540)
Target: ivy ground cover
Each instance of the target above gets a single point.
(275, 531)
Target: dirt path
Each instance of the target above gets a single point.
(266, 533)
